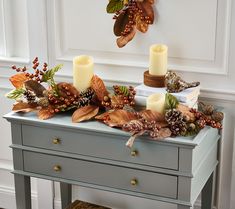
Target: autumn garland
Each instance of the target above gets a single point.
(130, 16)
(116, 109)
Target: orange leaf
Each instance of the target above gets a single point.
(46, 113)
(141, 25)
(152, 115)
(123, 40)
(85, 113)
(24, 107)
(98, 86)
(116, 118)
(18, 80)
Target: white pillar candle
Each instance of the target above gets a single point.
(158, 59)
(82, 72)
(156, 102)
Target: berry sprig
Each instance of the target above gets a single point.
(37, 73)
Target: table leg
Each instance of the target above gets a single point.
(184, 207)
(207, 192)
(22, 191)
(66, 194)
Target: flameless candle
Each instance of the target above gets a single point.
(82, 72)
(158, 60)
(156, 102)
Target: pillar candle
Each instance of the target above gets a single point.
(82, 72)
(158, 60)
(156, 102)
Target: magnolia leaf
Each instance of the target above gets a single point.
(24, 107)
(163, 133)
(66, 88)
(114, 6)
(116, 118)
(46, 113)
(85, 113)
(99, 88)
(15, 94)
(48, 75)
(120, 23)
(18, 80)
(171, 101)
(141, 25)
(152, 115)
(147, 10)
(36, 87)
(123, 40)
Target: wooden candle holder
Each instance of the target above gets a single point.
(154, 80)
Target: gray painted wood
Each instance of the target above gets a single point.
(101, 174)
(91, 154)
(206, 194)
(103, 146)
(22, 191)
(66, 194)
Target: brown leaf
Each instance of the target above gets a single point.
(163, 133)
(190, 117)
(150, 1)
(116, 118)
(141, 25)
(147, 9)
(123, 40)
(152, 115)
(46, 113)
(65, 88)
(120, 23)
(24, 107)
(18, 80)
(85, 113)
(36, 87)
(99, 88)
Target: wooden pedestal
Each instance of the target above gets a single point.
(153, 80)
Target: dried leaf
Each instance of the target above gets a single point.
(85, 113)
(141, 25)
(163, 133)
(117, 118)
(24, 107)
(18, 80)
(150, 1)
(131, 140)
(152, 115)
(189, 116)
(147, 9)
(123, 40)
(36, 87)
(98, 86)
(64, 88)
(120, 23)
(46, 113)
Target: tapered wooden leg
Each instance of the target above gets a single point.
(66, 194)
(207, 192)
(22, 191)
(184, 207)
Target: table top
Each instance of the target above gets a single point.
(64, 120)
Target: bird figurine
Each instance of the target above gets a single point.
(174, 83)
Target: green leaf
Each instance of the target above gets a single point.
(114, 6)
(124, 90)
(171, 101)
(49, 75)
(15, 94)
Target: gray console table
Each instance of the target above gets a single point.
(90, 154)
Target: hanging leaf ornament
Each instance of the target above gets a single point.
(130, 16)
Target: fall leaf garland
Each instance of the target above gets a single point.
(130, 16)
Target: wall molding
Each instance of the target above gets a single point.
(6, 165)
(59, 51)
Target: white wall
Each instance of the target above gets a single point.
(201, 39)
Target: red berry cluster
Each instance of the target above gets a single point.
(37, 75)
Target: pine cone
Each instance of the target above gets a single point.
(217, 116)
(43, 101)
(30, 96)
(176, 121)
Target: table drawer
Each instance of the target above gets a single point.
(101, 174)
(99, 145)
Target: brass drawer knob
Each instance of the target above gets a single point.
(134, 182)
(56, 141)
(134, 153)
(57, 168)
